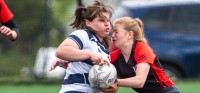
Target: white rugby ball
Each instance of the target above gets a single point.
(102, 76)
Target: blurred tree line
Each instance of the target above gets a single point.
(30, 18)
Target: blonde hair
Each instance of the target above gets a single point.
(135, 25)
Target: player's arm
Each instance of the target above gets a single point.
(10, 30)
(70, 51)
(60, 63)
(139, 80)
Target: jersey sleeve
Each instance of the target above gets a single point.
(5, 13)
(80, 37)
(144, 53)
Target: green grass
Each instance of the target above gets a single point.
(29, 88)
(184, 87)
(189, 87)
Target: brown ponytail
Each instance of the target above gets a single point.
(80, 17)
(89, 13)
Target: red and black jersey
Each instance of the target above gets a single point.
(141, 52)
(5, 13)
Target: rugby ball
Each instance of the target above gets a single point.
(103, 76)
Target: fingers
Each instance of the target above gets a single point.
(101, 62)
(107, 62)
(60, 63)
(54, 65)
(63, 64)
(108, 90)
(112, 88)
(97, 60)
(5, 31)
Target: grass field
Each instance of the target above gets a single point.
(185, 87)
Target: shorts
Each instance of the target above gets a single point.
(171, 89)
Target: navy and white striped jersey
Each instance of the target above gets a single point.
(76, 78)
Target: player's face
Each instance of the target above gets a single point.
(100, 25)
(119, 35)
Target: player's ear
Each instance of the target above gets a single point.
(87, 23)
(130, 34)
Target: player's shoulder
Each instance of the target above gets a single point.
(80, 31)
(141, 45)
(114, 55)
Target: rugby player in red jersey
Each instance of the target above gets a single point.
(8, 28)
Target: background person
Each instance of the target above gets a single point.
(84, 47)
(137, 65)
(8, 28)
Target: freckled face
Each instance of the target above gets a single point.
(119, 35)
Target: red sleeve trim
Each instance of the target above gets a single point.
(5, 13)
